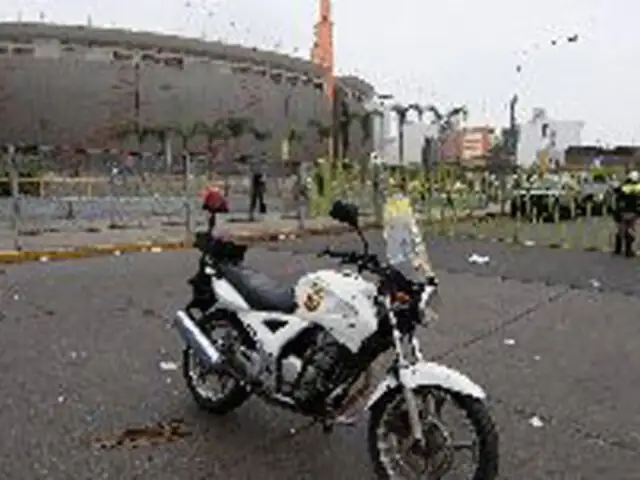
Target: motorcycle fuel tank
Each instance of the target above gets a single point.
(341, 302)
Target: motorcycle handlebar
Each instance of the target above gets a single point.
(368, 262)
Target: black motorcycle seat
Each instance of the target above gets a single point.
(259, 291)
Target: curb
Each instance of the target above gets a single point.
(12, 257)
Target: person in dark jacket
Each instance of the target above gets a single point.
(258, 185)
(626, 212)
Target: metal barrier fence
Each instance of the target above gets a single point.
(566, 210)
(46, 193)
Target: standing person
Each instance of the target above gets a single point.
(214, 202)
(626, 212)
(258, 185)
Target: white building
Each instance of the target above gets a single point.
(385, 136)
(544, 137)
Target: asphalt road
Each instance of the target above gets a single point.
(549, 334)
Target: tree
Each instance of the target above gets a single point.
(345, 121)
(323, 131)
(401, 112)
(446, 122)
(185, 132)
(294, 138)
(213, 132)
(419, 109)
(159, 133)
(235, 127)
(260, 135)
(123, 131)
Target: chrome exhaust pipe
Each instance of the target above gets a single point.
(194, 338)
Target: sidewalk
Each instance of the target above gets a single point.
(101, 240)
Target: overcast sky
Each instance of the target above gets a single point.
(447, 53)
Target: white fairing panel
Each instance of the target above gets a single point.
(342, 302)
(272, 342)
(228, 297)
(430, 374)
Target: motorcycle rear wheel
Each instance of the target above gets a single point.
(231, 393)
(485, 447)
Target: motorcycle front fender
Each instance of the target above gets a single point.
(429, 374)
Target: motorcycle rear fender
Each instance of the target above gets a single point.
(429, 374)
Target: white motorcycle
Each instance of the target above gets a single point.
(306, 347)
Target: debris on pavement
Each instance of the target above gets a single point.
(168, 366)
(509, 341)
(117, 253)
(529, 243)
(595, 283)
(145, 436)
(44, 259)
(155, 250)
(536, 422)
(536, 358)
(478, 259)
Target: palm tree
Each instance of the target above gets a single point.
(213, 132)
(235, 127)
(186, 132)
(323, 130)
(160, 133)
(345, 122)
(401, 112)
(366, 127)
(420, 110)
(446, 122)
(123, 131)
(260, 135)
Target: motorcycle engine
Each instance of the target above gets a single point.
(311, 377)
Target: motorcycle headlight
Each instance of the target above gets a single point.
(429, 305)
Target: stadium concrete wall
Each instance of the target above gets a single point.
(70, 86)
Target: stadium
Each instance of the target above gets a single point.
(71, 86)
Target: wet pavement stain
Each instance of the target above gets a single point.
(144, 436)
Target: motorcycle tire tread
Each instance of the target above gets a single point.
(476, 412)
(234, 398)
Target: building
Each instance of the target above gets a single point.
(70, 86)
(385, 136)
(545, 140)
(476, 142)
(587, 156)
(468, 143)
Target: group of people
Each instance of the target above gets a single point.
(626, 214)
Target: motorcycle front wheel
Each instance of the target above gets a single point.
(396, 455)
(215, 391)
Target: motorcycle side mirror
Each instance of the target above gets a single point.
(345, 212)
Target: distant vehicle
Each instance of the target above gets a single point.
(549, 197)
(596, 196)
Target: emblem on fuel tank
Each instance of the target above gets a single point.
(314, 298)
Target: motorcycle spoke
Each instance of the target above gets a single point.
(463, 445)
(444, 454)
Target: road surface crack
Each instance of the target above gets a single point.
(520, 316)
